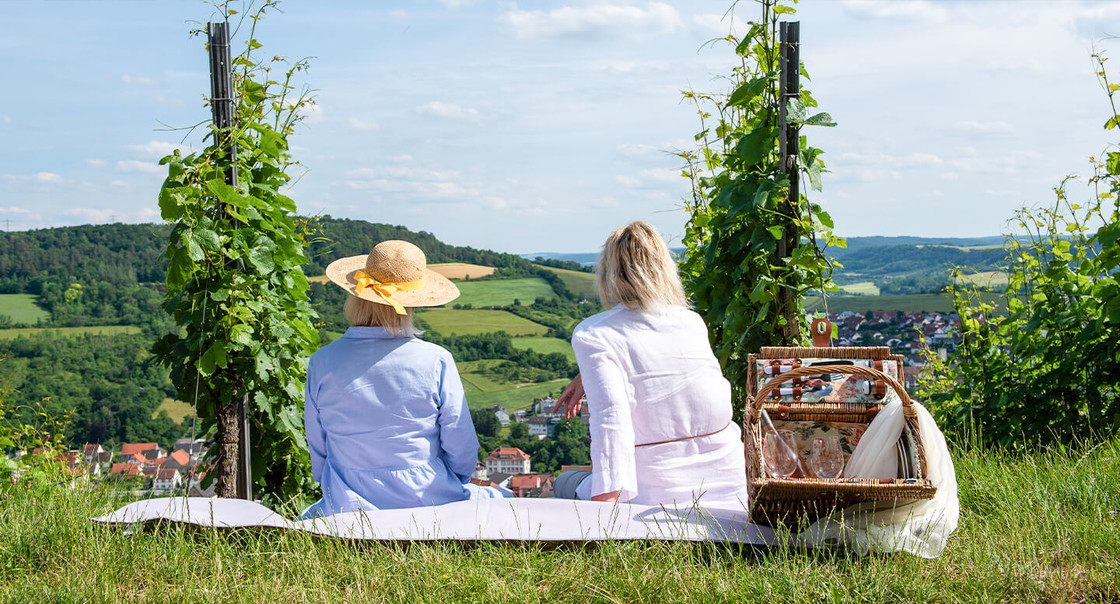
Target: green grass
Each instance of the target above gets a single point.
(176, 410)
(546, 346)
(1042, 528)
(101, 330)
(514, 398)
(21, 308)
(502, 292)
(863, 288)
(987, 278)
(451, 321)
(579, 283)
(905, 303)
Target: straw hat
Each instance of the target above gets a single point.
(394, 273)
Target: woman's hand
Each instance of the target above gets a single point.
(571, 399)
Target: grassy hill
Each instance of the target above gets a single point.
(1034, 528)
(448, 321)
(502, 292)
(22, 308)
(582, 284)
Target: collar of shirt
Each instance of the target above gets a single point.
(369, 332)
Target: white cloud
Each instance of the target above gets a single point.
(449, 111)
(312, 113)
(97, 163)
(118, 183)
(897, 10)
(595, 21)
(46, 177)
(7, 119)
(132, 165)
(362, 125)
(138, 80)
(154, 148)
(996, 127)
(457, 3)
(654, 178)
(638, 151)
(16, 210)
(718, 25)
(92, 215)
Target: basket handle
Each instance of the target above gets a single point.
(764, 391)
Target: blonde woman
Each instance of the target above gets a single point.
(386, 418)
(661, 429)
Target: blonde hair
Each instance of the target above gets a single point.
(637, 270)
(363, 313)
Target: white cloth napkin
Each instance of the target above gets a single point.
(921, 527)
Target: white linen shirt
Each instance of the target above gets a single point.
(651, 377)
(387, 424)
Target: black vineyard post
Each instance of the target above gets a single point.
(222, 105)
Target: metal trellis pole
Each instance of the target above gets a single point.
(789, 44)
(222, 105)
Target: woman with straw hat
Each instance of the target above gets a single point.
(386, 418)
(661, 429)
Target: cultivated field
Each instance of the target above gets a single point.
(503, 292)
(177, 410)
(462, 270)
(100, 330)
(517, 397)
(987, 279)
(581, 284)
(908, 303)
(450, 321)
(545, 345)
(863, 288)
(21, 308)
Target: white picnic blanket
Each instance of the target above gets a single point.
(471, 520)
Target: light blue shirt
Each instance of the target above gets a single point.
(387, 424)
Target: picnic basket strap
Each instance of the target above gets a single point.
(908, 410)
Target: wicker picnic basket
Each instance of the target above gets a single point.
(803, 498)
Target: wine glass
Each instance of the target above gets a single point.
(780, 453)
(826, 459)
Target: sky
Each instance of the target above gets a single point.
(539, 126)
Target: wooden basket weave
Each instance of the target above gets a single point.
(796, 500)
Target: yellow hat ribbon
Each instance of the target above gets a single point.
(386, 290)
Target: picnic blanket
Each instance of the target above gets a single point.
(471, 520)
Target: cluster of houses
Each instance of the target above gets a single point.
(144, 466)
(511, 468)
(539, 417)
(910, 334)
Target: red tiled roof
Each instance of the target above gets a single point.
(528, 481)
(128, 449)
(166, 473)
(508, 453)
(180, 457)
(127, 469)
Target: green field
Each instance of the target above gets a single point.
(102, 330)
(502, 292)
(580, 283)
(450, 321)
(987, 278)
(906, 303)
(177, 410)
(863, 288)
(21, 308)
(546, 346)
(516, 398)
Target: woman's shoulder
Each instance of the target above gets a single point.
(607, 319)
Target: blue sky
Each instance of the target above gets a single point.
(541, 126)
